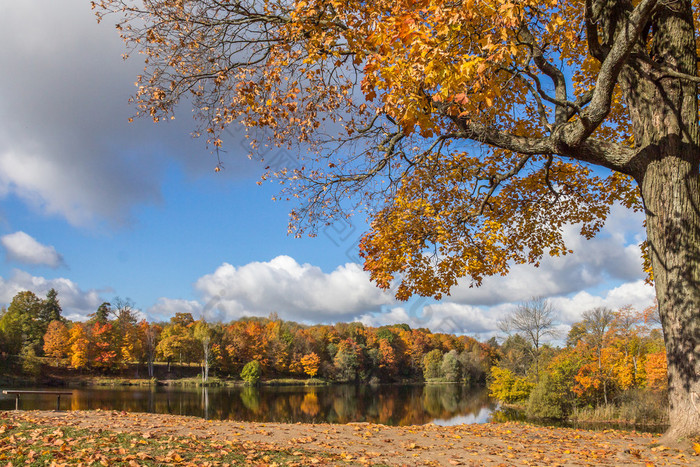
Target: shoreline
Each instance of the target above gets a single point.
(517, 412)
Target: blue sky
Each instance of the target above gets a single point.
(97, 207)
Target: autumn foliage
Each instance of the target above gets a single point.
(605, 360)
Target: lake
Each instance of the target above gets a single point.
(443, 404)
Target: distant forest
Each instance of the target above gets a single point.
(112, 337)
(611, 358)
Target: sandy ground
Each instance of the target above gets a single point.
(488, 444)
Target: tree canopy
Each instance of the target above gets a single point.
(469, 131)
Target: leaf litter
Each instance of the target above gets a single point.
(132, 439)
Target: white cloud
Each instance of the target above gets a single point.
(167, 307)
(76, 303)
(637, 293)
(611, 257)
(23, 248)
(447, 317)
(482, 321)
(294, 291)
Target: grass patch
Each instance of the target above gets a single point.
(294, 382)
(635, 407)
(25, 443)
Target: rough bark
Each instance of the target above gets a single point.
(665, 116)
(671, 194)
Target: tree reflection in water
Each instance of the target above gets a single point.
(385, 404)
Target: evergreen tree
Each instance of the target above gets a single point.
(50, 308)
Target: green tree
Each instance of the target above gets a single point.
(102, 314)
(50, 308)
(576, 333)
(21, 325)
(432, 364)
(516, 355)
(549, 398)
(451, 368)
(251, 372)
(347, 361)
(31, 365)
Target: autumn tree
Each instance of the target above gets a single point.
(387, 361)
(177, 343)
(310, 363)
(79, 346)
(105, 345)
(575, 106)
(56, 340)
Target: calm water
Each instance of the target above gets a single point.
(385, 404)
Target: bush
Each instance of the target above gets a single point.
(506, 387)
(549, 399)
(251, 372)
(31, 364)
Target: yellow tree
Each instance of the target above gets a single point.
(472, 131)
(655, 368)
(311, 362)
(56, 340)
(79, 346)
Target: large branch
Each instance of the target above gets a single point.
(607, 154)
(592, 14)
(492, 136)
(576, 132)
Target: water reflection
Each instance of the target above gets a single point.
(385, 404)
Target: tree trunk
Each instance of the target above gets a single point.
(664, 113)
(671, 192)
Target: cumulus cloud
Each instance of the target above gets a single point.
(23, 248)
(482, 321)
(294, 291)
(76, 303)
(637, 294)
(447, 317)
(604, 271)
(613, 257)
(166, 308)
